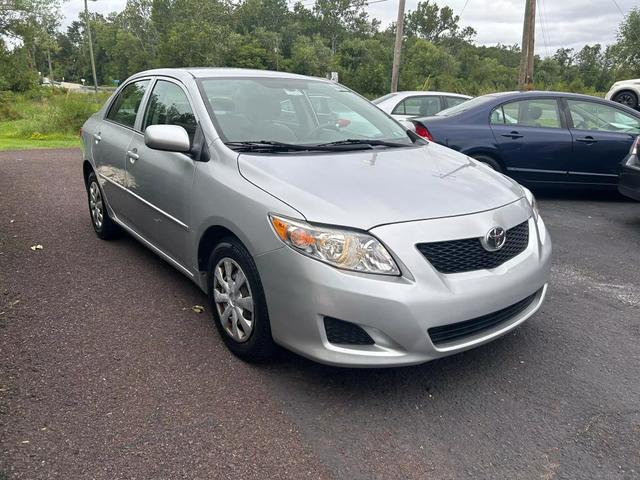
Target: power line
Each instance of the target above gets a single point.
(618, 7)
(545, 36)
(464, 7)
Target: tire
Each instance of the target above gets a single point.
(104, 227)
(490, 162)
(245, 327)
(627, 98)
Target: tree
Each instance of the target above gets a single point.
(433, 23)
(628, 48)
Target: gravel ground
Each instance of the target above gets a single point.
(107, 373)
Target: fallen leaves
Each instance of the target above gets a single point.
(37, 247)
(197, 308)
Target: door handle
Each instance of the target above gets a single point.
(97, 137)
(513, 134)
(133, 156)
(587, 139)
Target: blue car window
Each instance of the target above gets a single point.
(596, 116)
(541, 113)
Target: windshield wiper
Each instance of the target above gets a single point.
(271, 146)
(363, 142)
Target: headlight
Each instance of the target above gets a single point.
(532, 201)
(343, 249)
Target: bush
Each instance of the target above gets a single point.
(62, 114)
(7, 107)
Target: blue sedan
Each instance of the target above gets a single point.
(540, 137)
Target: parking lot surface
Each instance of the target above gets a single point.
(107, 372)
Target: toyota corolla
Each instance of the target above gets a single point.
(333, 232)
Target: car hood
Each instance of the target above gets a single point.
(364, 189)
(635, 81)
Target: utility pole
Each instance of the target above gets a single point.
(93, 61)
(525, 75)
(397, 50)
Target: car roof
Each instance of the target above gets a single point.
(207, 72)
(540, 94)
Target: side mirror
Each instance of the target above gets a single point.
(170, 138)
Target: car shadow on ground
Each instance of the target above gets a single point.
(580, 194)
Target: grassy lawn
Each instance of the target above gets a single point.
(44, 118)
(11, 140)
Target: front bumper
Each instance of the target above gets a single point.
(397, 312)
(629, 183)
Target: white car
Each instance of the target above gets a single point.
(406, 105)
(626, 92)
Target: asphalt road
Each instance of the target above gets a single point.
(106, 372)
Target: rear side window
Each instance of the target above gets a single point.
(125, 108)
(422, 106)
(453, 101)
(541, 113)
(169, 105)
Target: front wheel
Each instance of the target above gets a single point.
(238, 303)
(629, 99)
(104, 227)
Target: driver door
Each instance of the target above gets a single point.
(602, 136)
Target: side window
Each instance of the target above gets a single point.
(541, 113)
(497, 116)
(169, 105)
(596, 116)
(453, 101)
(125, 108)
(422, 106)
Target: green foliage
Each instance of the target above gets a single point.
(331, 35)
(60, 113)
(8, 111)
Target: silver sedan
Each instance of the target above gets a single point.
(312, 219)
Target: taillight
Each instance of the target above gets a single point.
(635, 147)
(423, 132)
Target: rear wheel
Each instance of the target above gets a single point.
(238, 303)
(490, 162)
(627, 98)
(104, 227)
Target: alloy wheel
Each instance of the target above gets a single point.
(233, 299)
(626, 99)
(96, 205)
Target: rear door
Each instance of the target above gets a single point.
(160, 182)
(533, 140)
(110, 142)
(602, 136)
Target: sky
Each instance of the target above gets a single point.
(559, 23)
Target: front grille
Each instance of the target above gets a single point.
(457, 331)
(468, 254)
(345, 333)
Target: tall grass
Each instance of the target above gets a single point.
(61, 113)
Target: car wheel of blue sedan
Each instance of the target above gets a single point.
(490, 162)
(237, 302)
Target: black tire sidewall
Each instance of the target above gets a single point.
(260, 345)
(633, 95)
(109, 229)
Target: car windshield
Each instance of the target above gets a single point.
(463, 107)
(296, 112)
